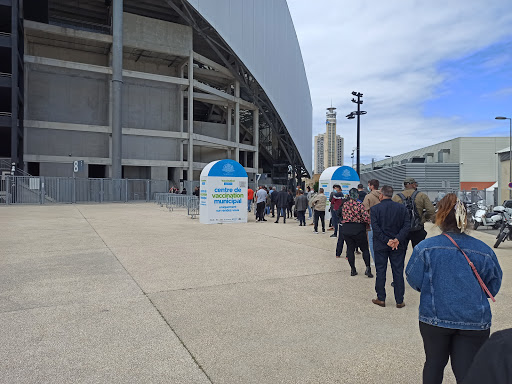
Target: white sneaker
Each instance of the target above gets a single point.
(315, 232)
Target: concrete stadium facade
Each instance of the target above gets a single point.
(112, 83)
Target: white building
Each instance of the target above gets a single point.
(463, 163)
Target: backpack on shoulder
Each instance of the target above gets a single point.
(414, 216)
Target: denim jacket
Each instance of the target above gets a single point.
(451, 296)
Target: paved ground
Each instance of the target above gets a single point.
(130, 293)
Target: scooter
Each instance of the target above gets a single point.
(506, 226)
(483, 217)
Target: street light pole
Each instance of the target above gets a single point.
(352, 115)
(509, 152)
(392, 173)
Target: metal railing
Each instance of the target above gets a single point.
(52, 190)
(6, 165)
(173, 200)
(193, 207)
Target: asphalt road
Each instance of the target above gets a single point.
(488, 230)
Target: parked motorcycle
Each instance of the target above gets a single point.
(483, 217)
(506, 225)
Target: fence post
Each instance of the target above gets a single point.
(148, 190)
(7, 190)
(73, 197)
(41, 190)
(125, 190)
(102, 191)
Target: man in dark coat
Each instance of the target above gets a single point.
(282, 204)
(301, 203)
(390, 225)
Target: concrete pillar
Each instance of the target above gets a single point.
(256, 136)
(229, 122)
(237, 122)
(117, 84)
(181, 122)
(190, 173)
(246, 160)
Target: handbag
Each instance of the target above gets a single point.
(480, 281)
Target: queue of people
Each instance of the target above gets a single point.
(455, 274)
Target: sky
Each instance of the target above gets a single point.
(429, 70)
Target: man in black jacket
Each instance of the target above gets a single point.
(282, 204)
(390, 225)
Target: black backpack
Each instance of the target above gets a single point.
(414, 216)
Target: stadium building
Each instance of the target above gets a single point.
(152, 89)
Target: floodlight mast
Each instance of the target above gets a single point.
(352, 115)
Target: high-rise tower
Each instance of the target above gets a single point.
(329, 145)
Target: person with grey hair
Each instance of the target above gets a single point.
(318, 204)
(301, 202)
(390, 224)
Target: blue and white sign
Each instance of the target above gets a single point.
(345, 176)
(223, 193)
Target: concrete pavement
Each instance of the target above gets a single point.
(134, 293)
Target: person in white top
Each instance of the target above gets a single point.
(261, 197)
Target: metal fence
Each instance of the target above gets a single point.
(51, 190)
(173, 201)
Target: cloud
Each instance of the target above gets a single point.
(391, 52)
(499, 93)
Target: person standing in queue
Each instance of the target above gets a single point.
(361, 191)
(424, 208)
(341, 239)
(335, 199)
(390, 223)
(250, 198)
(261, 198)
(456, 276)
(371, 199)
(273, 195)
(355, 221)
(318, 204)
(282, 204)
(301, 203)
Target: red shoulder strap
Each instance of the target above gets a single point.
(480, 281)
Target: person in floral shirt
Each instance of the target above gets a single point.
(355, 221)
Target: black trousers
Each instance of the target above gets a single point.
(272, 207)
(416, 237)
(260, 210)
(301, 215)
(440, 343)
(335, 220)
(396, 259)
(319, 215)
(281, 211)
(341, 240)
(359, 240)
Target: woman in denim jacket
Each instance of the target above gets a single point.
(454, 312)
